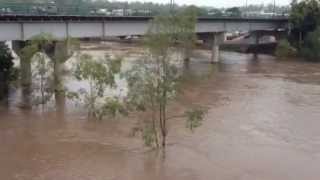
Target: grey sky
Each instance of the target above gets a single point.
(218, 3)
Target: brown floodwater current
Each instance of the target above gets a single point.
(263, 123)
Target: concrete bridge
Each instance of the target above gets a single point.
(24, 27)
(21, 28)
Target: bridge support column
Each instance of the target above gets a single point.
(59, 53)
(215, 53)
(57, 56)
(25, 63)
(218, 38)
(256, 44)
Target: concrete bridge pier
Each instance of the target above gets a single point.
(213, 41)
(25, 72)
(59, 52)
(218, 38)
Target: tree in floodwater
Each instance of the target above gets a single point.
(100, 75)
(42, 86)
(185, 22)
(42, 68)
(6, 66)
(47, 56)
(153, 83)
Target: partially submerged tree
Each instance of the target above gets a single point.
(233, 12)
(6, 66)
(185, 23)
(100, 75)
(153, 83)
(47, 55)
(35, 82)
(42, 85)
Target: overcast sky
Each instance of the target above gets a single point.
(217, 3)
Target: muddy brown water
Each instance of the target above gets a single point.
(263, 124)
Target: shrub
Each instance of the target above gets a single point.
(6, 59)
(284, 49)
(311, 46)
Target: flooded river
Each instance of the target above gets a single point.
(263, 124)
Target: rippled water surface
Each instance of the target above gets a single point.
(263, 124)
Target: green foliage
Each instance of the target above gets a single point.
(234, 12)
(305, 15)
(100, 74)
(194, 118)
(153, 83)
(284, 49)
(35, 53)
(149, 135)
(43, 81)
(6, 59)
(37, 43)
(186, 22)
(65, 49)
(6, 69)
(311, 46)
(305, 19)
(112, 107)
(168, 31)
(137, 8)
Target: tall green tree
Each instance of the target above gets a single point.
(100, 75)
(186, 27)
(6, 65)
(154, 82)
(311, 46)
(305, 18)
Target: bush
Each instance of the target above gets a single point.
(6, 65)
(311, 46)
(5, 59)
(284, 49)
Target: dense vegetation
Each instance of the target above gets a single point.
(305, 19)
(6, 66)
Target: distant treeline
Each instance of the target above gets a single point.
(104, 7)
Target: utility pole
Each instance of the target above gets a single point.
(171, 6)
(246, 8)
(274, 8)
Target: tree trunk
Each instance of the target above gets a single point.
(164, 140)
(60, 99)
(58, 81)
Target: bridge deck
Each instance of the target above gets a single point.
(23, 27)
(25, 18)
